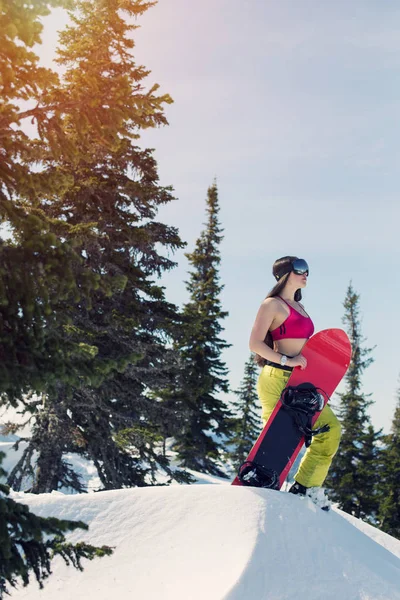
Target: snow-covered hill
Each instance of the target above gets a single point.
(218, 542)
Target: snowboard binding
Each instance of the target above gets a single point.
(303, 402)
(255, 475)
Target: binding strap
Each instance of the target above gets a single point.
(251, 473)
(303, 402)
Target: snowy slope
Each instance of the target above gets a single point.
(214, 542)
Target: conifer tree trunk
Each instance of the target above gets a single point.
(52, 435)
(49, 463)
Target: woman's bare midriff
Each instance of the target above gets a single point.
(289, 347)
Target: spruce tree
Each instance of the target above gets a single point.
(246, 425)
(389, 479)
(28, 543)
(204, 373)
(353, 473)
(41, 270)
(368, 475)
(88, 122)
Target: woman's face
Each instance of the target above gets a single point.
(297, 280)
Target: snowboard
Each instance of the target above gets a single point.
(328, 355)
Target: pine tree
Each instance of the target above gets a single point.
(246, 425)
(353, 472)
(368, 469)
(101, 405)
(204, 373)
(28, 543)
(389, 479)
(40, 267)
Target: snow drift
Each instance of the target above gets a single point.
(217, 542)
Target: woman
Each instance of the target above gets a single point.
(280, 331)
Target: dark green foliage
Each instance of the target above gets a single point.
(28, 543)
(39, 274)
(106, 334)
(247, 424)
(353, 474)
(203, 374)
(389, 479)
(368, 475)
(41, 269)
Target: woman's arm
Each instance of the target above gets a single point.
(265, 316)
(263, 322)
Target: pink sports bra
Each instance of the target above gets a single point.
(296, 326)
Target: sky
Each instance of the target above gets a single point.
(294, 107)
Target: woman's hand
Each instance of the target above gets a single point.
(297, 361)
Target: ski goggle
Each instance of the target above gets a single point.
(300, 267)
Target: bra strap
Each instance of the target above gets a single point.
(285, 302)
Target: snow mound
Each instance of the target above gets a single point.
(217, 542)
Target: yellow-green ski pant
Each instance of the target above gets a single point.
(315, 463)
